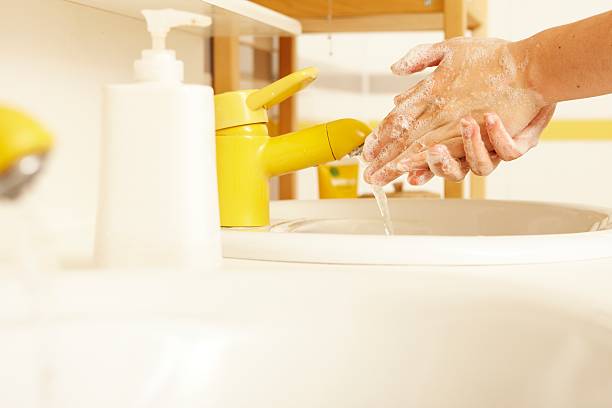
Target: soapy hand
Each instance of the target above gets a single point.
(447, 120)
(453, 158)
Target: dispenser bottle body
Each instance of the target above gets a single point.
(158, 196)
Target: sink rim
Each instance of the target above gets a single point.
(442, 250)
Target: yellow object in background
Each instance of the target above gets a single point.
(339, 179)
(20, 136)
(579, 130)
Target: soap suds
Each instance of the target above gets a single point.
(418, 58)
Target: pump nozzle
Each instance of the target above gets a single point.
(159, 64)
(160, 22)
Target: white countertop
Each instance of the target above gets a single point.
(345, 331)
(584, 286)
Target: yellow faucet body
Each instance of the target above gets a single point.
(247, 156)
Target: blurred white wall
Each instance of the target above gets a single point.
(355, 82)
(56, 57)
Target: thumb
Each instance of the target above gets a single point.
(419, 58)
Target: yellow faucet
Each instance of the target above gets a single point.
(247, 156)
(23, 145)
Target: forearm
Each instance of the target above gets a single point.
(569, 62)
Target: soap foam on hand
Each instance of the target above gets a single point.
(474, 76)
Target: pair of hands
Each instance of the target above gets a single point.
(476, 109)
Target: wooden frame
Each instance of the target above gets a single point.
(455, 25)
(287, 110)
(385, 22)
(368, 15)
(225, 64)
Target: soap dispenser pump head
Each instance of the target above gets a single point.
(159, 64)
(160, 22)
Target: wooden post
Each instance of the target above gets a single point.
(455, 18)
(287, 110)
(455, 25)
(225, 64)
(262, 60)
(479, 10)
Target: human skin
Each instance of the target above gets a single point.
(488, 100)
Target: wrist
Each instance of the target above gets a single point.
(529, 67)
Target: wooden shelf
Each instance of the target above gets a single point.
(380, 23)
(230, 17)
(368, 15)
(350, 8)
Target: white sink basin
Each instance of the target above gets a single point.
(428, 232)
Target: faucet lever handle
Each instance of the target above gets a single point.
(282, 89)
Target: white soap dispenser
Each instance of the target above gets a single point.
(158, 204)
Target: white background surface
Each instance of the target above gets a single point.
(56, 58)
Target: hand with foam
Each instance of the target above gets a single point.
(453, 158)
(478, 100)
(487, 100)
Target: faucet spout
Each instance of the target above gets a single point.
(313, 146)
(345, 135)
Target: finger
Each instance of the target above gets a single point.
(377, 172)
(441, 134)
(400, 121)
(383, 177)
(370, 145)
(481, 162)
(504, 145)
(416, 93)
(442, 164)
(405, 96)
(419, 58)
(509, 148)
(412, 116)
(419, 177)
(387, 167)
(398, 159)
(533, 130)
(409, 161)
(416, 153)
